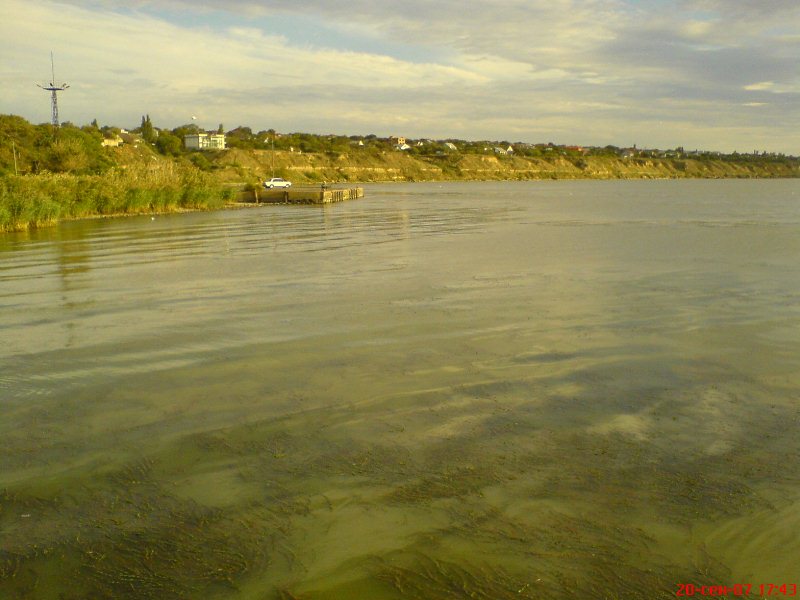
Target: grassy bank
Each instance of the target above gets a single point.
(143, 182)
(30, 201)
(364, 166)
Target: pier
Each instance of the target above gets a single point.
(301, 195)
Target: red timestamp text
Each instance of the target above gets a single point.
(763, 590)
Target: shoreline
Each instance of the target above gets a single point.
(242, 188)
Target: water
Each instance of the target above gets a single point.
(485, 390)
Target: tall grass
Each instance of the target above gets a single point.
(31, 201)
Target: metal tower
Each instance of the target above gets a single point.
(54, 89)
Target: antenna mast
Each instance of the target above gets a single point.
(54, 89)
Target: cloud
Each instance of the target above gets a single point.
(591, 71)
(139, 59)
(763, 85)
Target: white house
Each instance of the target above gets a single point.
(204, 141)
(112, 142)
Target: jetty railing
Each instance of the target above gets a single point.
(301, 195)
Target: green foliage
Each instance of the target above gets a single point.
(183, 130)
(169, 144)
(68, 173)
(66, 155)
(242, 137)
(478, 147)
(580, 162)
(24, 204)
(147, 131)
(32, 201)
(307, 142)
(28, 141)
(37, 148)
(200, 161)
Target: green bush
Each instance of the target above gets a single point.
(29, 201)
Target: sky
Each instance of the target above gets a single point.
(703, 74)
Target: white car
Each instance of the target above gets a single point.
(277, 182)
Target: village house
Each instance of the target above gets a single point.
(129, 138)
(112, 142)
(204, 141)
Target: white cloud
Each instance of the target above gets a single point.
(587, 71)
(696, 29)
(763, 85)
(176, 70)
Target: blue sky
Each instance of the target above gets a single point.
(710, 74)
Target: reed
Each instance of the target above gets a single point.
(32, 201)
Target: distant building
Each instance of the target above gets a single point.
(113, 142)
(402, 146)
(451, 145)
(397, 141)
(129, 138)
(204, 141)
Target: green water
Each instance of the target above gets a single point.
(500, 390)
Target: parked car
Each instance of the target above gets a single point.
(277, 182)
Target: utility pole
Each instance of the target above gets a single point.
(273, 154)
(14, 152)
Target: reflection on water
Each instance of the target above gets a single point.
(505, 390)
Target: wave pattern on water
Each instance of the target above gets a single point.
(592, 386)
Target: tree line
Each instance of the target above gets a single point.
(28, 148)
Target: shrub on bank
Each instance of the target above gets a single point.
(30, 201)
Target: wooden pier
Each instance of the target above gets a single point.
(301, 195)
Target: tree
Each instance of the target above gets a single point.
(183, 130)
(169, 144)
(66, 155)
(148, 134)
(241, 137)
